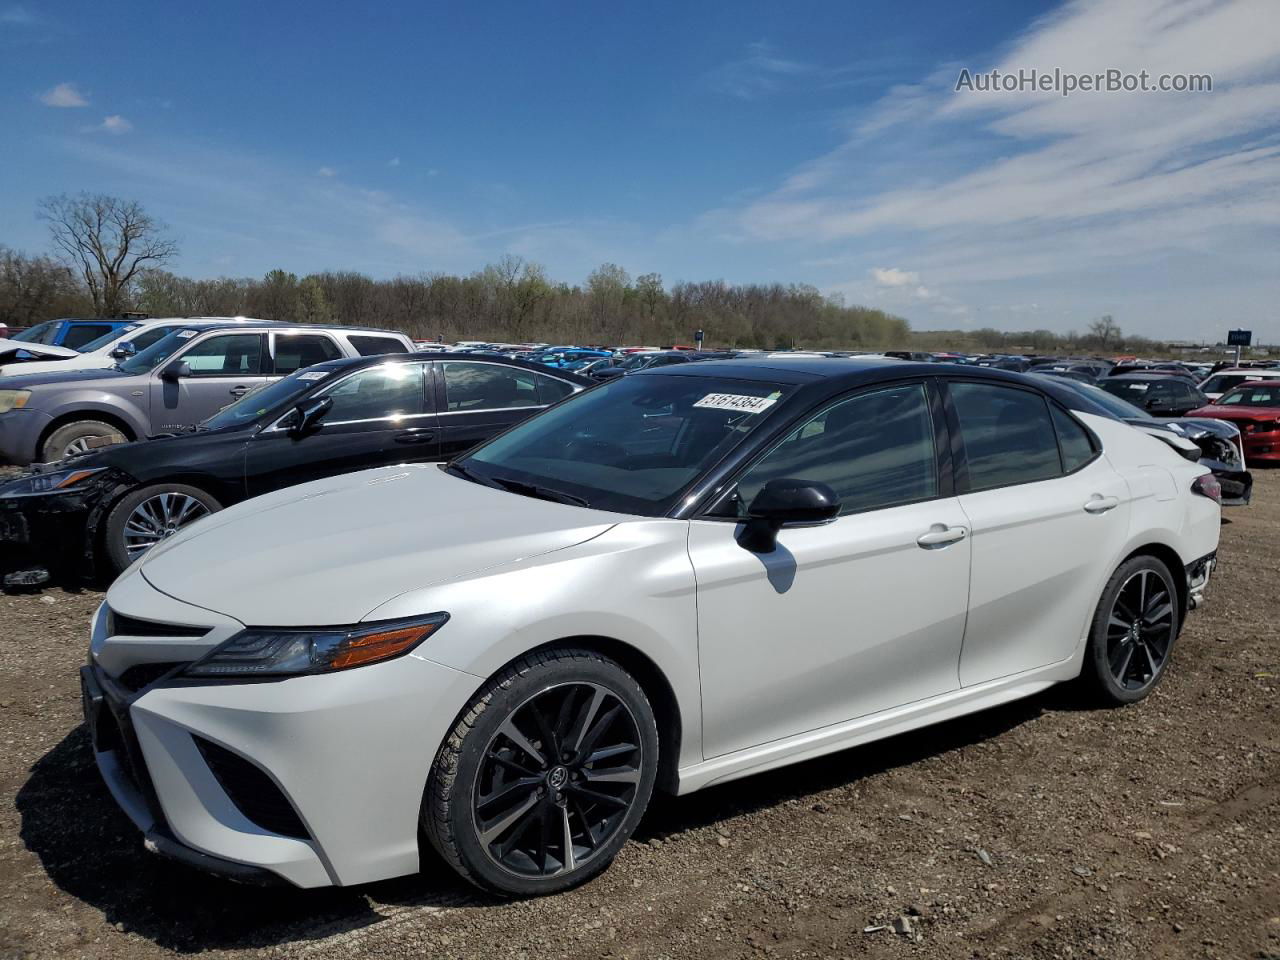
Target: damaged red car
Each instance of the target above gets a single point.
(1254, 407)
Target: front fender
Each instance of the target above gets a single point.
(84, 403)
(633, 584)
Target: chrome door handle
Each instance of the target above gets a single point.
(1097, 504)
(238, 391)
(940, 536)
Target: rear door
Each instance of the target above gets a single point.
(225, 365)
(1048, 514)
(477, 399)
(380, 415)
(293, 351)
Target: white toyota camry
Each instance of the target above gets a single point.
(675, 579)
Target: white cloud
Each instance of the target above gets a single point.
(393, 162)
(893, 277)
(1034, 188)
(17, 15)
(114, 124)
(760, 72)
(326, 172)
(64, 95)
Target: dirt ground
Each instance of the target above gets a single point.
(1040, 829)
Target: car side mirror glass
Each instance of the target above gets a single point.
(307, 415)
(786, 502)
(175, 370)
(124, 350)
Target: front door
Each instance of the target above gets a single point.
(378, 417)
(224, 367)
(844, 619)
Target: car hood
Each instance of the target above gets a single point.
(78, 377)
(9, 350)
(328, 552)
(1233, 413)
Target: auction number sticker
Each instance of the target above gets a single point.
(187, 334)
(314, 375)
(736, 401)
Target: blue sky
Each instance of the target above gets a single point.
(821, 143)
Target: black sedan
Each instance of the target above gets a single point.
(103, 510)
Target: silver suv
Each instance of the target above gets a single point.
(174, 384)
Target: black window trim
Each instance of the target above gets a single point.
(209, 335)
(961, 461)
(943, 447)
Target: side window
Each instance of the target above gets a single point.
(550, 389)
(81, 333)
(487, 386)
(377, 393)
(373, 346)
(148, 337)
(1073, 441)
(875, 450)
(226, 355)
(297, 350)
(1008, 435)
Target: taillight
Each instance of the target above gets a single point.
(1208, 486)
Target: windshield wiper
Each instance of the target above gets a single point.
(541, 492)
(459, 470)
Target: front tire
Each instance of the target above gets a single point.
(545, 775)
(1133, 632)
(78, 437)
(146, 516)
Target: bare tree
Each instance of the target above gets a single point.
(1105, 330)
(107, 240)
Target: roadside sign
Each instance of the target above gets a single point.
(697, 338)
(1239, 338)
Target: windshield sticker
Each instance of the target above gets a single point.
(317, 375)
(736, 401)
(187, 334)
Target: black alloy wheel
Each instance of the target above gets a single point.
(545, 774)
(1133, 632)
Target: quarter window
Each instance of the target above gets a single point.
(488, 386)
(372, 346)
(550, 389)
(1008, 435)
(377, 393)
(297, 350)
(1073, 440)
(229, 355)
(875, 450)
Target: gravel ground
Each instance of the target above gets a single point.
(1040, 829)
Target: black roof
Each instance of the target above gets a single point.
(343, 364)
(1140, 375)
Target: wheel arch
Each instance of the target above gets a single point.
(1177, 569)
(657, 688)
(112, 417)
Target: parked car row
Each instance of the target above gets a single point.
(678, 577)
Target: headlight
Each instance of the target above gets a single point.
(35, 484)
(267, 652)
(12, 399)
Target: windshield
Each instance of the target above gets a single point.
(40, 333)
(635, 361)
(632, 445)
(158, 352)
(1111, 403)
(264, 399)
(106, 338)
(1222, 382)
(1131, 390)
(1267, 396)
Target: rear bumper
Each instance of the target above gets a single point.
(1198, 573)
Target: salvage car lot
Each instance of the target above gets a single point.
(1030, 829)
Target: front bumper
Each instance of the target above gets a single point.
(347, 755)
(20, 432)
(55, 527)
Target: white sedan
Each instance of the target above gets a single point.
(673, 580)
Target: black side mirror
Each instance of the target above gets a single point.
(175, 370)
(124, 350)
(786, 502)
(307, 415)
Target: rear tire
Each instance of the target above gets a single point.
(545, 775)
(71, 439)
(1133, 632)
(149, 515)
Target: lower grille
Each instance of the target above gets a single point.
(252, 791)
(144, 674)
(118, 624)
